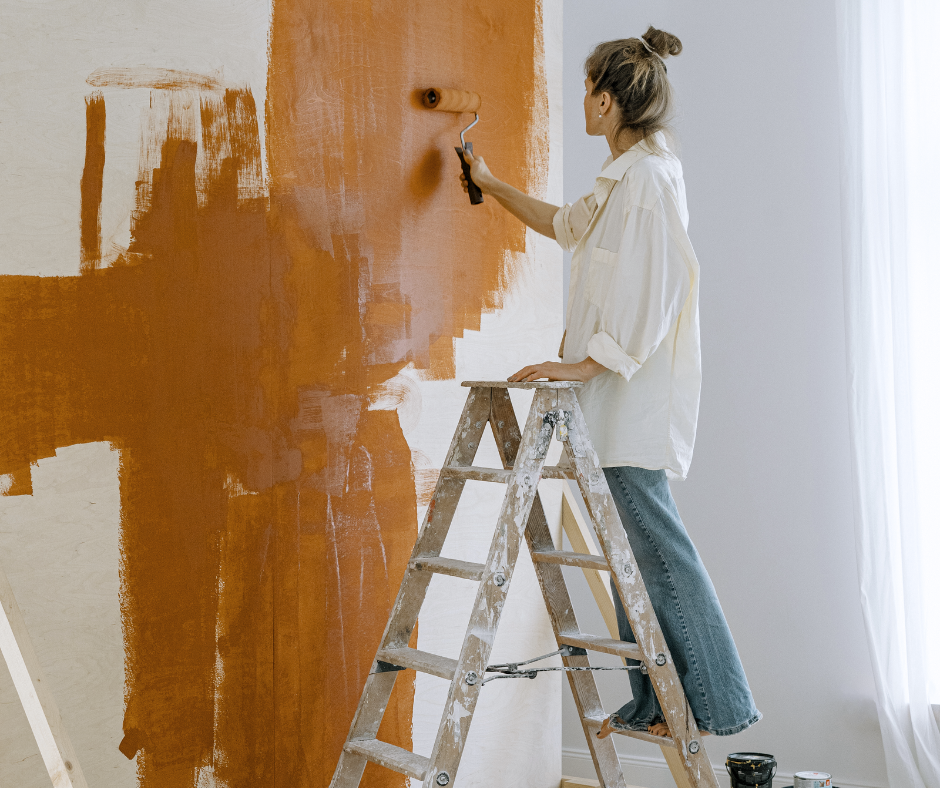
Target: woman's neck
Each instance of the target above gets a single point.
(628, 138)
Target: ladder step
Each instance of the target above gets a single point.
(618, 648)
(449, 566)
(477, 474)
(557, 472)
(584, 560)
(663, 741)
(390, 756)
(419, 660)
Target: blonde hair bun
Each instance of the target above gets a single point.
(662, 43)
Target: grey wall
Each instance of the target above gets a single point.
(768, 501)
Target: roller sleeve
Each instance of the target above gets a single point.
(448, 100)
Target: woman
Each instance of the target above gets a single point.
(632, 337)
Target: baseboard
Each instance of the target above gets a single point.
(578, 761)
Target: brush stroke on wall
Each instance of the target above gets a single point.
(232, 351)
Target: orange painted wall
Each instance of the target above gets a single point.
(231, 356)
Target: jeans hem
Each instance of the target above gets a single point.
(735, 728)
(619, 725)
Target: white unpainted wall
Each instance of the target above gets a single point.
(768, 501)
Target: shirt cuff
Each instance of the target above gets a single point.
(562, 234)
(604, 350)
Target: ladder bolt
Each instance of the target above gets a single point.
(693, 747)
(478, 424)
(500, 579)
(506, 445)
(471, 678)
(500, 424)
(443, 778)
(627, 570)
(660, 659)
(472, 445)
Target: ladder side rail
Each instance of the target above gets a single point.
(557, 602)
(404, 615)
(636, 602)
(488, 605)
(581, 541)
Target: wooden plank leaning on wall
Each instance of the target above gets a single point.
(17, 650)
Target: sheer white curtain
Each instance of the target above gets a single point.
(889, 53)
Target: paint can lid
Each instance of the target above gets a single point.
(751, 759)
(813, 775)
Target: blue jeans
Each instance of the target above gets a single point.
(687, 608)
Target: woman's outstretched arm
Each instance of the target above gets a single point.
(532, 212)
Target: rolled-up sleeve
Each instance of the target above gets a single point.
(572, 220)
(643, 296)
(604, 350)
(563, 233)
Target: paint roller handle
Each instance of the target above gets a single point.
(476, 196)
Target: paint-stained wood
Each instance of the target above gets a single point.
(636, 601)
(523, 456)
(539, 384)
(568, 558)
(557, 472)
(491, 596)
(391, 757)
(477, 474)
(557, 600)
(448, 566)
(580, 537)
(413, 659)
(618, 648)
(437, 520)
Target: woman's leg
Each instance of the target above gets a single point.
(687, 608)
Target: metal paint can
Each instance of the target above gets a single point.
(812, 780)
(751, 769)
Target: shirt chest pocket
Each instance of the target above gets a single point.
(600, 275)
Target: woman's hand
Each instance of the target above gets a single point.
(532, 212)
(583, 371)
(479, 172)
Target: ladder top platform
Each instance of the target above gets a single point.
(538, 384)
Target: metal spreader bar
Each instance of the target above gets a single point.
(554, 413)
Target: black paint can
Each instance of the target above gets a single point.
(751, 769)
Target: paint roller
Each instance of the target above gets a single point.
(446, 100)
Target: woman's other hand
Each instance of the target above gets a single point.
(479, 172)
(583, 371)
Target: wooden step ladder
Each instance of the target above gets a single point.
(554, 410)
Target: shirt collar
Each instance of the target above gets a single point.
(615, 169)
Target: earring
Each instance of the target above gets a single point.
(600, 115)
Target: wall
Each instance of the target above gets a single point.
(239, 281)
(768, 498)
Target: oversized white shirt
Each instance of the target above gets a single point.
(633, 307)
